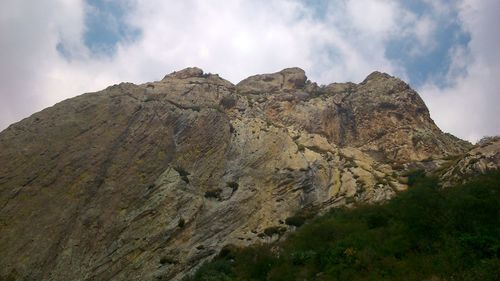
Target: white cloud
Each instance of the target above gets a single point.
(233, 38)
(470, 107)
(29, 32)
(379, 17)
(424, 31)
(443, 8)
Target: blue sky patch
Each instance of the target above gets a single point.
(317, 7)
(433, 64)
(106, 26)
(421, 65)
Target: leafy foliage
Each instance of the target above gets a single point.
(296, 221)
(425, 233)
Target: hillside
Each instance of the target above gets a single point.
(426, 233)
(145, 182)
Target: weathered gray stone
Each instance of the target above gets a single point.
(483, 157)
(144, 182)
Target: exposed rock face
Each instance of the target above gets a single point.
(382, 116)
(483, 157)
(143, 182)
(287, 80)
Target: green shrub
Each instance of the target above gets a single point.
(415, 176)
(296, 221)
(375, 220)
(274, 230)
(217, 270)
(301, 257)
(182, 173)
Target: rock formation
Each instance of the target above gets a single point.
(483, 157)
(144, 182)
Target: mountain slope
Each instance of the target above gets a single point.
(142, 182)
(426, 233)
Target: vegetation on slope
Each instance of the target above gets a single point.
(426, 233)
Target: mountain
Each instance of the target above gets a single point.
(427, 233)
(145, 182)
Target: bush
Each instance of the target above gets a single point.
(301, 257)
(274, 230)
(376, 220)
(217, 270)
(182, 173)
(415, 176)
(296, 221)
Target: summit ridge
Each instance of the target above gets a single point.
(145, 182)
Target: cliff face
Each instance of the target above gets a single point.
(143, 182)
(483, 157)
(382, 116)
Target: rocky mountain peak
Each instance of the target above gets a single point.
(143, 182)
(189, 72)
(482, 158)
(377, 75)
(286, 80)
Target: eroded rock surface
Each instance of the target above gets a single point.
(144, 182)
(483, 157)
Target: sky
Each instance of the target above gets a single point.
(447, 50)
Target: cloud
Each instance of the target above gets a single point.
(424, 32)
(469, 107)
(260, 36)
(29, 32)
(48, 55)
(378, 18)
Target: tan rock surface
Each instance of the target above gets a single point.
(144, 182)
(483, 157)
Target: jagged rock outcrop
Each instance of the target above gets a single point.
(381, 116)
(288, 80)
(483, 157)
(143, 182)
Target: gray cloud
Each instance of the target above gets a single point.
(29, 32)
(235, 39)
